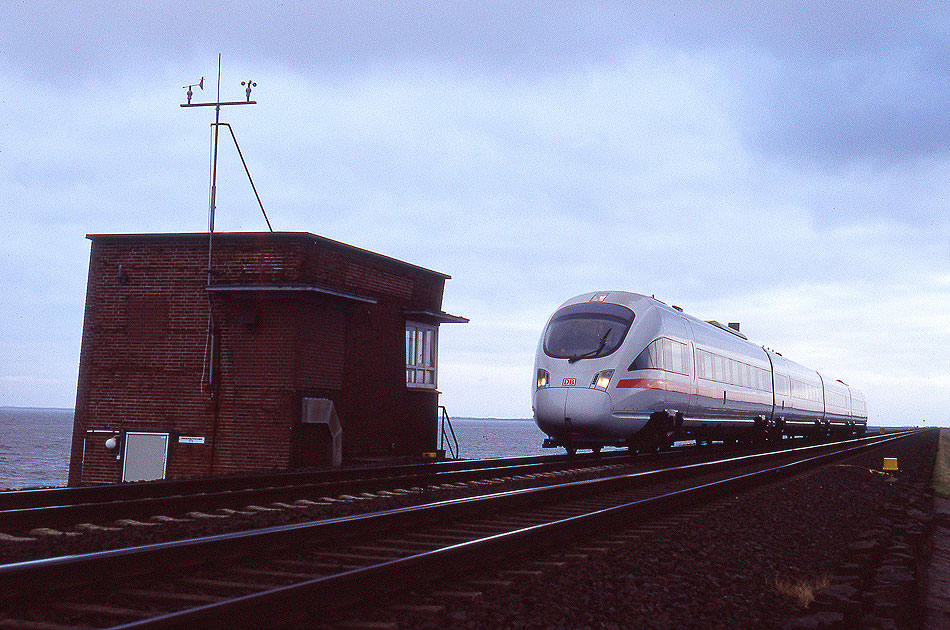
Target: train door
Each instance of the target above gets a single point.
(691, 365)
(773, 416)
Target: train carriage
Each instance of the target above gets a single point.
(618, 368)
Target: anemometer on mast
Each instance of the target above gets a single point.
(216, 125)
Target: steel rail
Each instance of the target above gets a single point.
(22, 578)
(351, 586)
(64, 507)
(50, 497)
(22, 519)
(106, 493)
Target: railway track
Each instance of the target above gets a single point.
(51, 511)
(279, 574)
(52, 497)
(66, 507)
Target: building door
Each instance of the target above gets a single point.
(146, 455)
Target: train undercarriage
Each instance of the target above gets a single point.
(664, 429)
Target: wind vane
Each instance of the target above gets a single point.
(217, 124)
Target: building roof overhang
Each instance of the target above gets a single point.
(434, 317)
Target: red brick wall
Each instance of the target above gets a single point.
(145, 351)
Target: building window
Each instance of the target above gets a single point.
(421, 354)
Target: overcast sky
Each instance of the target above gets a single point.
(785, 167)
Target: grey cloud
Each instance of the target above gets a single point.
(532, 151)
(883, 109)
(70, 38)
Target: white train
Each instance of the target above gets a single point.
(622, 369)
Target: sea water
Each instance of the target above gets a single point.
(34, 447)
(483, 438)
(34, 444)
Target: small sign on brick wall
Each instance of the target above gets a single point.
(191, 439)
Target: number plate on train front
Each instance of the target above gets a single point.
(569, 382)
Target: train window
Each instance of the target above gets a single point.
(421, 354)
(700, 363)
(648, 359)
(782, 385)
(655, 354)
(668, 356)
(665, 354)
(837, 399)
(680, 357)
(588, 330)
(805, 391)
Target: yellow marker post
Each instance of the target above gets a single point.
(890, 464)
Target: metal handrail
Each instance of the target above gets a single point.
(454, 452)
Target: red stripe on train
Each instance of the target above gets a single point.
(639, 383)
(652, 383)
(684, 388)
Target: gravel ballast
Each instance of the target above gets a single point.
(736, 564)
(728, 567)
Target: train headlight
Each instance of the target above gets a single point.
(543, 379)
(602, 380)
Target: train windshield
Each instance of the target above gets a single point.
(586, 331)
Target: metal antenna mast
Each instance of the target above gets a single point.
(217, 104)
(207, 380)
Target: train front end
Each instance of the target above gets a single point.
(576, 367)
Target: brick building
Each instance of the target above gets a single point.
(188, 373)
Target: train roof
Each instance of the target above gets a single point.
(637, 300)
(632, 300)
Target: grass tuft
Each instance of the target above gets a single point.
(801, 590)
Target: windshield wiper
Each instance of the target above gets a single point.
(594, 352)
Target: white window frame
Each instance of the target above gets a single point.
(422, 355)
